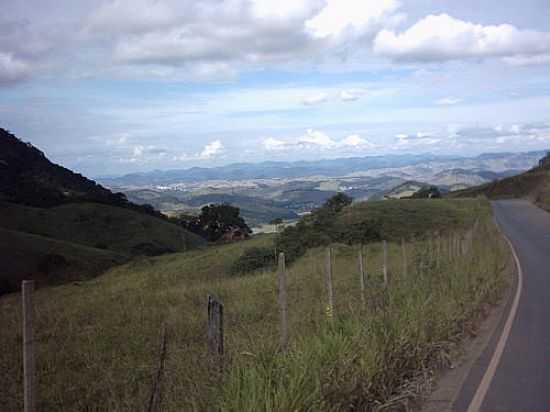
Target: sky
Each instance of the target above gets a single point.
(118, 86)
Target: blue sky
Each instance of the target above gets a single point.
(110, 87)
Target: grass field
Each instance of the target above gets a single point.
(97, 342)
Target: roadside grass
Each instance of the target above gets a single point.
(97, 342)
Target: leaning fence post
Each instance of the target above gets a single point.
(28, 348)
(385, 268)
(362, 275)
(330, 292)
(283, 304)
(404, 257)
(215, 331)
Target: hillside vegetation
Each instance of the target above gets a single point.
(79, 240)
(97, 342)
(100, 226)
(533, 185)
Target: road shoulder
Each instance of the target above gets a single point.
(456, 386)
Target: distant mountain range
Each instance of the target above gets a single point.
(484, 163)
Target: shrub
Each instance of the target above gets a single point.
(253, 259)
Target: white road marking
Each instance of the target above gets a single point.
(477, 400)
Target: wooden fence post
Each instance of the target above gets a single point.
(156, 394)
(362, 276)
(330, 292)
(29, 388)
(404, 257)
(283, 304)
(215, 331)
(385, 267)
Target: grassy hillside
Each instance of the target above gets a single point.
(79, 240)
(409, 218)
(99, 226)
(49, 261)
(98, 342)
(533, 185)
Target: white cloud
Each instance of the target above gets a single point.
(12, 69)
(355, 140)
(352, 94)
(272, 144)
(357, 17)
(448, 101)
(314, 99)
(211, 150)
(316, 138)
(138, 151)
(442, 37)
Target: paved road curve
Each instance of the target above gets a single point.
(521, 382)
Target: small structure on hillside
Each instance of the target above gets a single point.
(235, 234)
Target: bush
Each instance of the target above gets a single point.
(253, 259)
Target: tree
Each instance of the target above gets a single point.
(216, 220)
(337, 202)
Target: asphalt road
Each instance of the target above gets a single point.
(521, 382)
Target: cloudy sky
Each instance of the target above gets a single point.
(109, 87)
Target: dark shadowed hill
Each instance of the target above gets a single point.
(28, 177)
(57, 225)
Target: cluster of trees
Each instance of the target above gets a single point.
(215, 221)
(428, 192)
(322, 227)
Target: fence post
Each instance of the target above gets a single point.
(330, 292)
(385, 268)
(283, 304)
(362, 275)
(155, 399)
(28, 348)
(215, 331)
(404, 257)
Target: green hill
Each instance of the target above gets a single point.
(100, 226)
(49, 261)
(79, 240)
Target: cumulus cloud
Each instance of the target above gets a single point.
(211, 150)
(442, 37)
(315, 139)
(183, 33)
(12, 69)
(350, 16)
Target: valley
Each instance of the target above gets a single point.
(267, 191)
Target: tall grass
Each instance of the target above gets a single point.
(98, 340)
